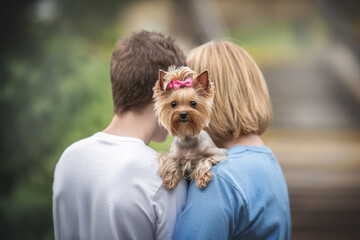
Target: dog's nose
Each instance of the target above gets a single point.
(183, 115)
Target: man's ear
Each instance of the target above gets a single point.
(160, 83)
(203, 79)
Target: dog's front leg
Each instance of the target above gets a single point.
(202, 173)
(169, 170)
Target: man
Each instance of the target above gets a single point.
(107, 186)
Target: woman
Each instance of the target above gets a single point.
(247, 197)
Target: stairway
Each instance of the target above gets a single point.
(316, 138)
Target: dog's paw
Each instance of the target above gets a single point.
(170, 184)
(171, 180)
(203, 180)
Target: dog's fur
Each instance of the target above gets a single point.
(192, 153)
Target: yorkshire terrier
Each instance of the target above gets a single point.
(183, 105)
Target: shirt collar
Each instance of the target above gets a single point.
(116, 138)
(242, 148)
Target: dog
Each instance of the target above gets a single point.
(183, 105)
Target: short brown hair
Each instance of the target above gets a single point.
(135, 65)
(242, 103)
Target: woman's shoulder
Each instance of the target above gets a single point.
(249, 169)
(247, 160)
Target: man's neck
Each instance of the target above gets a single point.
(133, 124)
(246, 140)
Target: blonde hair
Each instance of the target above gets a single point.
(242, 103)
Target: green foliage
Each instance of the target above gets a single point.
(55, 98)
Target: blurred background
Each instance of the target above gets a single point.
(55, 90)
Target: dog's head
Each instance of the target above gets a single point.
(183, 102)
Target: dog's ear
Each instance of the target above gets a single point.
(160, 83)
(203, 79)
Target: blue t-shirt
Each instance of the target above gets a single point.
(247, 198)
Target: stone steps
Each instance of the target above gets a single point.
(322, 170)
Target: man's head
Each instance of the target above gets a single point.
(135, 65)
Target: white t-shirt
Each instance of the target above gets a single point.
(107, 187)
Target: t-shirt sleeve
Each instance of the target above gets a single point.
(167, 206)
(212, 213)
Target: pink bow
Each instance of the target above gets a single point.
(176, 84)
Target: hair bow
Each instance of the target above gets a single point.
(176, 84)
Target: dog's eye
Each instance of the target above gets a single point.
(193, 104)
(173, 104)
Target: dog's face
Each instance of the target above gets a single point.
(183, 110)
